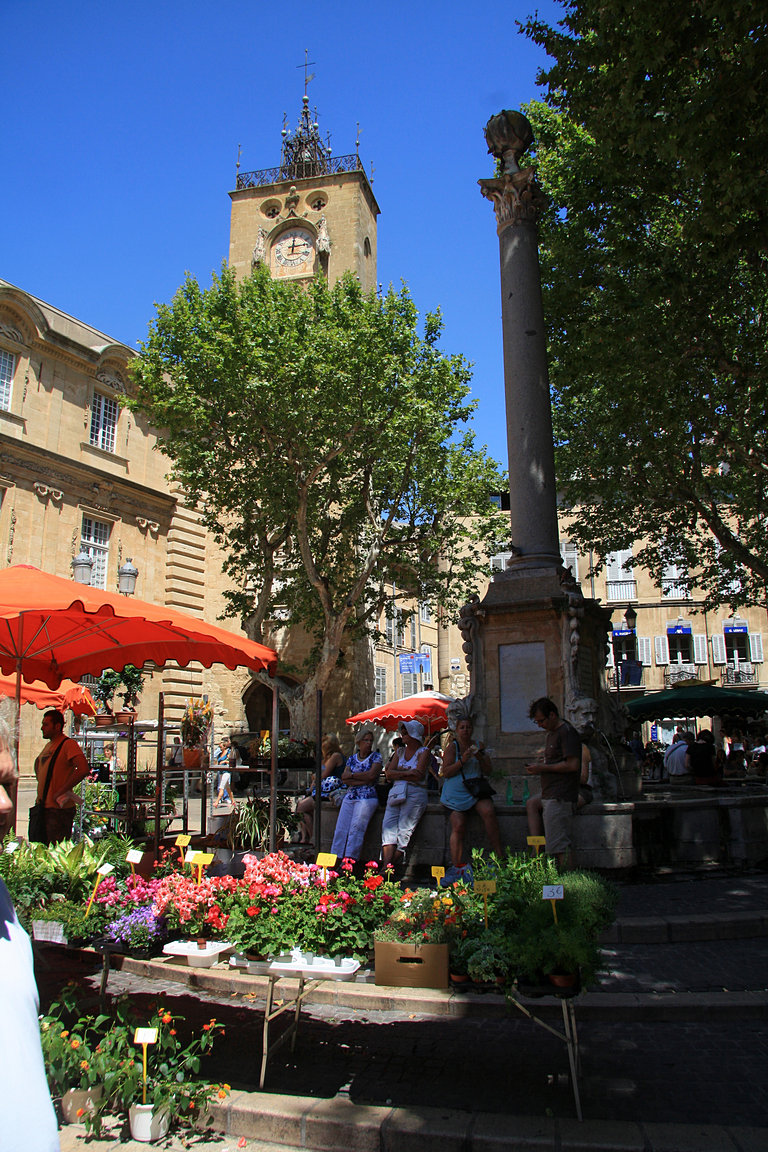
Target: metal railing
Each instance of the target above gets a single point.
(328, 166)
(621, 589)
(744, 674)
(676, 673)
(630, 673)
(675, 590)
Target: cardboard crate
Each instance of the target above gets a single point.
(402, 965)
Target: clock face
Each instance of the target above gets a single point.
(294, 250)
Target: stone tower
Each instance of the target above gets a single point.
(314, 213)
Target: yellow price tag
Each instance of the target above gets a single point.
(438, 872)
(485, 887)
(182, 841)
(537, 842)
(325, 860)
(204, 858)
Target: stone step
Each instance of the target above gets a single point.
(740, 925)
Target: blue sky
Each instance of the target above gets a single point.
(123, 123)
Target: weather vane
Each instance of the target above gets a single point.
(307, 63)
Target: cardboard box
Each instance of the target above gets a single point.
(402, 965)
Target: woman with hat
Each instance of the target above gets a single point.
(407, 769)
(360, 802)
(463, 761)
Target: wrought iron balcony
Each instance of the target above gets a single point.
(621, 590)
(744, 674)
(300, 170)
(676, 673)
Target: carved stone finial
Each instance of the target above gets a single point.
(508, 135)
(516, 195)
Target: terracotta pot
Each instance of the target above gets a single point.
(192, 757)
(563, 979)
(125, 715)
(147, 1122)
(104, 720)
(202, 942)
(80, 1100)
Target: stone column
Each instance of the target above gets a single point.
(517, 200)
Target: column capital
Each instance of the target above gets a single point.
(517, 197)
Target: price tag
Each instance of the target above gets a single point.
(105, 869)
(438, 872)
(325, 860)
(204, 858)
(145, 1036)
(537, 842)
(553, 893)
(485, 887)
(190, 856)
(12, 846)
(135, 856)
(182, 841)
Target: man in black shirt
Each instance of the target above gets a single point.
(559, 771)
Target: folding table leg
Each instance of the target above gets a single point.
(571, 1039)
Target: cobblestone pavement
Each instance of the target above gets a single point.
(704, 966)
(693, 894)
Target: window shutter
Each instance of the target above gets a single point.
(700, 649)
(644, 650)
(719, 655)
(661, 649)
(756, 647)
(609, 656)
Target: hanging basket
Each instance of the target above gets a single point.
(192, 757)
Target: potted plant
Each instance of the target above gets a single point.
(195, 725)
(139, 931)
(248, 829)
(132, 682)
(103, 691)
(75, 1064)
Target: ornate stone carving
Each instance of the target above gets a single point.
(45, 492)
(292, 200)
(469, 622)
(11, 333)
(517, 198)
(323, 239)
(259, 248)
(112, 380)
(516, 195)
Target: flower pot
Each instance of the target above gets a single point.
(125, 715)
(563, 979)
(104, 720)
(77, 1101)
(192, 757)
(148, 1122)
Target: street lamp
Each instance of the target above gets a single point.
(630, 619)
(82, 566)
(127, 575)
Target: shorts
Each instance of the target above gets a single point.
(558, 825)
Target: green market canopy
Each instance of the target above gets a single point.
(698, 700)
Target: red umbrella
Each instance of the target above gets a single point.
(430, 708)
(53, 629)
(76, 697)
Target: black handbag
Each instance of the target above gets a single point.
(36, 830)
(477, 786)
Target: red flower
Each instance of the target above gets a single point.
(373, 882)
(252, 911)
(167, 1018)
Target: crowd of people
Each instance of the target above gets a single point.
(696, 757)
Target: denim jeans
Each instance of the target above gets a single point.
(351, 825)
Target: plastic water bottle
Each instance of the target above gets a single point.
(510, 792)
(526, 792)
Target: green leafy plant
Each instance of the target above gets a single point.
(79, 928)
(132, 682)
(249, 823)
(104, 688)
(196, 722)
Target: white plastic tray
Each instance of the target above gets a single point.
(198, 957)
(318, 968)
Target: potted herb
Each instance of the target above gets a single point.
(103, 691)
(132, 682)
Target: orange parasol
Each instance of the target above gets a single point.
(76, 697)
(430, 708)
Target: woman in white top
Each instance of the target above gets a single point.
(407, 770)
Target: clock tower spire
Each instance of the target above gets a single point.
(313, 214)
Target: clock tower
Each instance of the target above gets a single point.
(315, 213)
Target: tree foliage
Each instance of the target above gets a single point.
(651, 145)
(325, 442)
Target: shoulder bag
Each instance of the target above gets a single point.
(36, 830)
(477, 786)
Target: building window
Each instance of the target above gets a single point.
(674, 583)
(499, 561)
(620, 582)
(410, 683)
(95, 541)
(104, 422)
(569, 554)
(7, 367)
(380, 690)
(424, 613)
